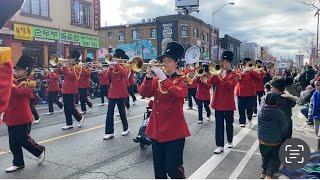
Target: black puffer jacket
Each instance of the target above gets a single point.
(272, 125)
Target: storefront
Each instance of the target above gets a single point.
(42, 42)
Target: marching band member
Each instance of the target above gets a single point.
(6, 76)
(117, 95)
(246, 91)
(53, 90)
(104, 83)
(259, 87)
(19, 124)
(223, 101)
(69, 90)
(167, 127)
(192, 87)
(83, 85)
(203, 94)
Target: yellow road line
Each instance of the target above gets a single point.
(71, 134)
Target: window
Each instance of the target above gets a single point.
(135, 35)
(184, 31)
(231, 47)
(121, 36)
(203, 36)
(153, 33)
(207, 37)
(110, 34)
(196, 33)
(38, 8)
(81, 13)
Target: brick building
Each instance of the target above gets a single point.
(145, 39)
(46, 27)
(229, 43)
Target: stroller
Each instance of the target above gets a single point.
(141, 138)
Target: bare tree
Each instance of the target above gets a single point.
(312, 4)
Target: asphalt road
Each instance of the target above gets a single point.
(81, 152)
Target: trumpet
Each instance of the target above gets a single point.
(55, 61)
(138, 65)
(27, 84)
(215, 68)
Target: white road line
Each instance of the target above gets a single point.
(205, 170)
(237, 171)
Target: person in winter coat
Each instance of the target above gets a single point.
(316, 108)
(272, 131)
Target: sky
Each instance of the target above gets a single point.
(272, 23)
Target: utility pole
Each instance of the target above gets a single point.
(317, 54)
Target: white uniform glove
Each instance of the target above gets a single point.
(159, 73)
(1, 118)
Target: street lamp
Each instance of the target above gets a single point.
(213, 13)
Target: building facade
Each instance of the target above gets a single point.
(148, 38)
(229, 43)
(42, 28)
(250, 50)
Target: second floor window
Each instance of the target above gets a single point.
(184, 31)
(81, 13)
(135, 35)
(153, 33)
(110, 34)
(121, 36)
(36, 8)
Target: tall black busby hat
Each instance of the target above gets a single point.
(125, 57)
(245, 60)
(75, 55)
(258, 61)
(119, 53)
(9, 8)
(26, 62)
(227, 55)
(174, 50)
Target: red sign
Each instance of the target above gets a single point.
(96, 14)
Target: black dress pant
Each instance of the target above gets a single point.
(70, 109)
(109, 129)
(168, 159)
(131, 92)
(34, 110)
(83, 93)
(53, 98)
(221, 117)
(245, 107)
(19, 136)
(103, 92)
(205, 104)
(191, 94)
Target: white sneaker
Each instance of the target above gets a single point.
(83, 112)
(200, 122)
(37, 121)
(101, 104)
(189, 108)
(90, 109)
(14, 168)
(66, 127)
(230, 145)
(80, 123)
(218, 150)
(126, 132)
(108, 136)
(49, 113)
(42, 157)
(208, 118)
(254, 115)
(242, 125)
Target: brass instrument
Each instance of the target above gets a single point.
(56, 61)
(138, 65)
(27, 83)
(189, 77)
(201, 71)
(215, 68)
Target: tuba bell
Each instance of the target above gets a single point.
(215, 68)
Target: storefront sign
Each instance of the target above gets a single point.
(23, 32)
(41, 34)
(96, 14)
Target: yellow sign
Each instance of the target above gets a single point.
(23, 32)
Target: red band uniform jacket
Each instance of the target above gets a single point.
(167, 122)
(223, 97)
(118, 85)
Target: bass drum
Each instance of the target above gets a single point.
(192, 55)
